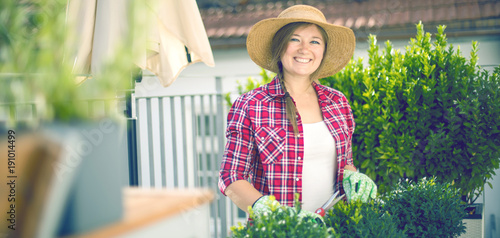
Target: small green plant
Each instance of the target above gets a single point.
(426, 208)
(279, 223)
(357, 219)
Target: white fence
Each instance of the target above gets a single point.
(180, 141)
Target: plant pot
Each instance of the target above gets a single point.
(67, 178)
(474, 221)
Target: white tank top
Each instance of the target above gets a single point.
(319, 165)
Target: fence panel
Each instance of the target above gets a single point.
(180, 144)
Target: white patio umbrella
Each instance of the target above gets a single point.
(176, 35)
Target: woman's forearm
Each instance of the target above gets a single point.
(243, 194)
(350, 167)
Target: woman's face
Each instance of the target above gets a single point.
(304, 52)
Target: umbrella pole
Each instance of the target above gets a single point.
(132, 129)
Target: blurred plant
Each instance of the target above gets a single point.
(426, 208)
(251, 83)
(35, 67)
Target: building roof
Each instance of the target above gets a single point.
(228, 26)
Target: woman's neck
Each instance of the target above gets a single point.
(298, 86)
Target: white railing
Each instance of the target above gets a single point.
(180, 141)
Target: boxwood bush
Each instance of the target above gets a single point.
(423, 112)
(280, 223)
(354, 219)
(426, 208)
(358, 220)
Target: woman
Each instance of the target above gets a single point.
(291, 135)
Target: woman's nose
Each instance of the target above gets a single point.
(303, 47)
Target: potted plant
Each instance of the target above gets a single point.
(426, 208)
(357, 219)
(280, 223)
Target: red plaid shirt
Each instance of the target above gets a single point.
(262, 148)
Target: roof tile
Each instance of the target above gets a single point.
(422, 14)
(236, 21)
(444, 13)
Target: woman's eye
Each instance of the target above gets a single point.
(315, 42)
(294, 39)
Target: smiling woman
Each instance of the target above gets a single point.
(292, 135)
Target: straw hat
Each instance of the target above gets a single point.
(340, 46)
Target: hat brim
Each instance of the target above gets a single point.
(340, 46)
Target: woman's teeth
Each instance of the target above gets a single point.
(302, 60)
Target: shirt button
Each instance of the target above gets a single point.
(300, 158)
(297, 179)
(262, 138)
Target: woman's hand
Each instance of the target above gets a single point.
(358, 186)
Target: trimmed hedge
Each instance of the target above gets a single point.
(414, 209)
(357, 219)
(426, 112)
(426, 209)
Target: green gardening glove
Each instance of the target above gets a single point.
(358, 186)
(267, 204)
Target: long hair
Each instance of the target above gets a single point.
(278, 48)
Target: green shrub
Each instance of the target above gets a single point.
(358, 219)
(355, 219)
(280, 223)
(428, 111)
(426, 208)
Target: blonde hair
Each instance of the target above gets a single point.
(278, 48)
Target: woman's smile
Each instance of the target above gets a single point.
(302, 60)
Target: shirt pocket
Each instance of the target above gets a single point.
(270, 143)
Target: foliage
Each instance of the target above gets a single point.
(426, 208)
(357, 219)
(428, 111)
(36, 44)
(251, 83)
(280, 222)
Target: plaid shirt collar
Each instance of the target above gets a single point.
(276, 90)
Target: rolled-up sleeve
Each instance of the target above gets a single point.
(239, 150)
(351, 126)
